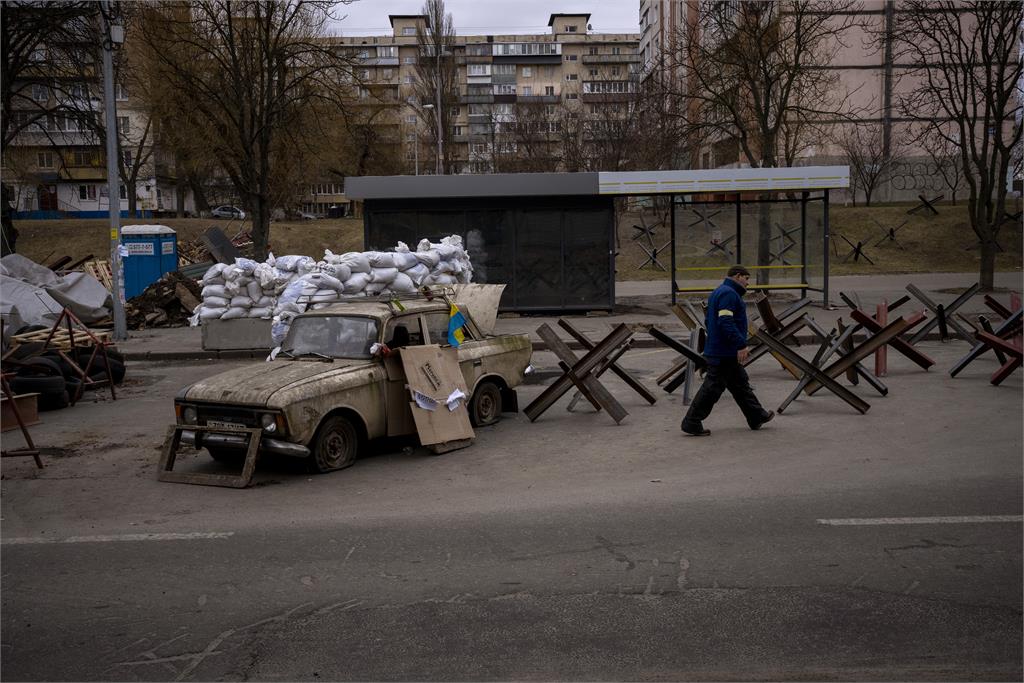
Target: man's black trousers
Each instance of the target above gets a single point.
(726, 374)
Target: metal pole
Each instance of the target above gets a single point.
(803, 242)
(110, 35)
(825, 241)
(437, 113)
(672, 223)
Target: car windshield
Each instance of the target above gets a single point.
(334, 336)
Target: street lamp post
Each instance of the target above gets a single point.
(417, 152)
(437, 94)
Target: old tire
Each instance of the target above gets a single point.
(335, 445)
(485, 406)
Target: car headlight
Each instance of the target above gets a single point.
(189, 415)
(269, 422)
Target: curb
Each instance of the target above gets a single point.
(261, 354)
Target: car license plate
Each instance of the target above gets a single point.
(222, 423)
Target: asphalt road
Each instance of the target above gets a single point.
(828, 546)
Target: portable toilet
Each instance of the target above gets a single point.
(152, 253)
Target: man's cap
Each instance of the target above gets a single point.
(738, 270)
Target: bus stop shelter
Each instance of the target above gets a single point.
(551, 237)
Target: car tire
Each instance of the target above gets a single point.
(40, 366)
(485, 406)
(54, 400)
(22, 384)
(335, 445)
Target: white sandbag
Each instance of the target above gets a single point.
(402, 284)
(325, 281)
(401, 248)
(356, 261)
(445, 266)
(295, 263)
(254, 290)
(381, 259)
(241, 302)
(213, 290)
(235, 312)
(246, 265)
(296, 290)
(339, 271)
(264, 274)
(263, 301)
(289, 307)
(216, 301)
(375, 288)
(383, 275)
(357, 282)
(211, 313)
(443, 279)
(428, 257)
(214, 271)
(417, 273)
(404, 260)
(331, 258)
(264, 312)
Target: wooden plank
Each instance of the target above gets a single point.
(27, 406)
(434, 372)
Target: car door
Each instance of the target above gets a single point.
(397, 410)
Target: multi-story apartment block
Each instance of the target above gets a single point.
(870, 78)
(516, 93)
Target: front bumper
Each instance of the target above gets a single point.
(267, 445)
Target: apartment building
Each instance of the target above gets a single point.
(516, 93)
(870, 79)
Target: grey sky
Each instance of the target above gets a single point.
(370, 17)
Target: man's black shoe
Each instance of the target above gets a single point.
(766, 420)
(694, 431)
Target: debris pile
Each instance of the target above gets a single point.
(168, 302)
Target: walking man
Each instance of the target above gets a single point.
(725, 351)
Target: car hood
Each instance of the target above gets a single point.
(255, 384)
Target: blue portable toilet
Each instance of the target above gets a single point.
(152, 253)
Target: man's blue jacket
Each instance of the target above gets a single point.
(726, 322)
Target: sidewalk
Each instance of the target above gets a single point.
(643, 303)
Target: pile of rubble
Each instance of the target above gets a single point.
(168, 302)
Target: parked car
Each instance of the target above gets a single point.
(304, 216)
(228, 212)
(325, 395)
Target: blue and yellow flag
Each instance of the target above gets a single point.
(455, 322)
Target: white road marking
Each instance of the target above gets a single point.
(965, 519)
(114, 538)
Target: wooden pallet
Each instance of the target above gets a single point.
(62, 339)
(101, 271)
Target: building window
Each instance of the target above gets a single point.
(410, 119)
(503, 69)
(593, 72)
(527, 90)
(123, 125)
(616, 50)
(126, 157)
(592, 50)
(87, 192)
(409, 31)
(84, 157)
(387, 51)
(571, 96)
(45, 159)
(408, 60)
(364, 74)
(504, 89)
(454, 112)
(570, 28)
(40, 93)
(408, 80)
(387, 74)
(571, 58)
(571, 77)
(527, 72)
(549, 90)
(615, 71)
(120, 92)
(482, 69)
(458, 130)
(123, 192)
(363, 54)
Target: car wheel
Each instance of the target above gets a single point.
(485, 406)
(335, 445)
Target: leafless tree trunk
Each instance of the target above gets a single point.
(966, 69)
(437, 77)
(869, 163)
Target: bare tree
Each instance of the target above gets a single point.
(870, 163)
(945, 155)
(437, 77)
(256, 73)
(755, 75)
(966, 70)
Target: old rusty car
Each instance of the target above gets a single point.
(326, 393)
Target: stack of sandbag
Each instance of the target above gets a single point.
(290, 285)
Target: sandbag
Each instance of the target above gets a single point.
(429, 258)
(216, 301)
(356, 261)
(206, 313)
(383, 275)
(357, 282)
(324, 296)
(241, 302)
(402, 284)
(213, 290)
(325, 281)
(262, 312)
(381, 259)
(235, 312)
(404, 260)
(339, 271)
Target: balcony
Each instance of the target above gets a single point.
(527, 59)
(473, 59)
(379, 61)
(599, 98)
(539, 99)
(611, 59)
(476, 99)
